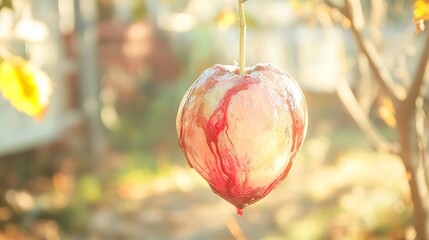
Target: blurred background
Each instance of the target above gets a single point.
(104, 162)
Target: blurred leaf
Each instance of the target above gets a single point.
(226, 18)
(26, 87)
(421, 13)
(251, 21)
(386, 111)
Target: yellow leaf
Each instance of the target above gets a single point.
(386, 111)
(26, 87)
(226, 18)
(421, 13)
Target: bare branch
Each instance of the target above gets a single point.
(419, 79)
(366, 92)
(382, 75)
(333, 5)
(421, 137)
(405, 102)
(352, 106)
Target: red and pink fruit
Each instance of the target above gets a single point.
(241, 133)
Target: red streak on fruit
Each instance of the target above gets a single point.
(240, 212)
(225, 181)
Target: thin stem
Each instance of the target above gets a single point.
(242, 24)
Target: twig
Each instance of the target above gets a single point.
(382, 75)
(366, 93)
(419, 79)
(234, 229)
(421, 138)
(351, 104)
(335, 6)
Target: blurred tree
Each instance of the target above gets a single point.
(400, 102)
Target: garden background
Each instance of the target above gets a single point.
(104, 162)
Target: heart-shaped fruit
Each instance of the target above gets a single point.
(241, 133)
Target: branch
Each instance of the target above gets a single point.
(335, 6)
(382, 75)
(419, 79)
(352, 106)
(421, 137)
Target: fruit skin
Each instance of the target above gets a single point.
(241, 133)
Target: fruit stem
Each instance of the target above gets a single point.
(242, 25)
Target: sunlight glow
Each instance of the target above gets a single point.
(31, 30)
(176, 22)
